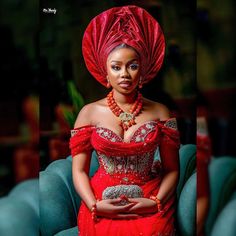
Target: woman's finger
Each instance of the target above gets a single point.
(116, 200)
(125, 207)
(133, 209)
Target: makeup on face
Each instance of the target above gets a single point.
(123, 68)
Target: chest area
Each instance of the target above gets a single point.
(139, 134)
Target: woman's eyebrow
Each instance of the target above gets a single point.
(135, 59)
(116, 61)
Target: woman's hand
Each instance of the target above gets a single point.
(109, 209)
(143, 206)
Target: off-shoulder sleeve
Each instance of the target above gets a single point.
(80, 140)
(170, 133)
(169, 145)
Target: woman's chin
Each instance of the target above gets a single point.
(125, 89)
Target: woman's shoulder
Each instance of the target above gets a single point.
(160, 111)
(89, 112)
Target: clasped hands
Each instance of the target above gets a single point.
(135, 208)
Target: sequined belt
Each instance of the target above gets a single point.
(130, 191)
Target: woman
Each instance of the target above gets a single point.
(130, 194)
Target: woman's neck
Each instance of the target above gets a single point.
(124, 99)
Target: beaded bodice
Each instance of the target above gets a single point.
(139, 164)
(129, 161)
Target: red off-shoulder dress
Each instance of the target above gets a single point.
(129, 163)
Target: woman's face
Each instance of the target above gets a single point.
(123, 70)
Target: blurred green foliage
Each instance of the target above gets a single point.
(77, 102)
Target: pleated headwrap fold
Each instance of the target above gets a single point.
(131, 25)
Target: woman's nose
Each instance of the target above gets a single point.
(124, 73)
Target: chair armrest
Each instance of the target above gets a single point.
(187, 161)
(59, 202)
(19, 213)
(225, 223)
(222, 180)
(186, 208)
(68, 232)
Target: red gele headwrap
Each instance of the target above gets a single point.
(131, 25)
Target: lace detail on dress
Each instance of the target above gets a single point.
(138, 136)
(171, 123)
(108, 134)
(141, 133)
(73, 132)
(138, 164)
(80, 140)
(132, 164)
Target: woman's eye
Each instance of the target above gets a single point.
(115, 67)
(134, 66)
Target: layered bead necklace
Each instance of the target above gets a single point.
(127, 119)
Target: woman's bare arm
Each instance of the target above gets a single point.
(81, 163)
(170, 164)
(80, 170)
(168, 186)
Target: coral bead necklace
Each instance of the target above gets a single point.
(127, 119)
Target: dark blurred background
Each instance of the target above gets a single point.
(216, 93)
(19, 103)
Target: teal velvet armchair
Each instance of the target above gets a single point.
(221, 218)
(19, 210)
